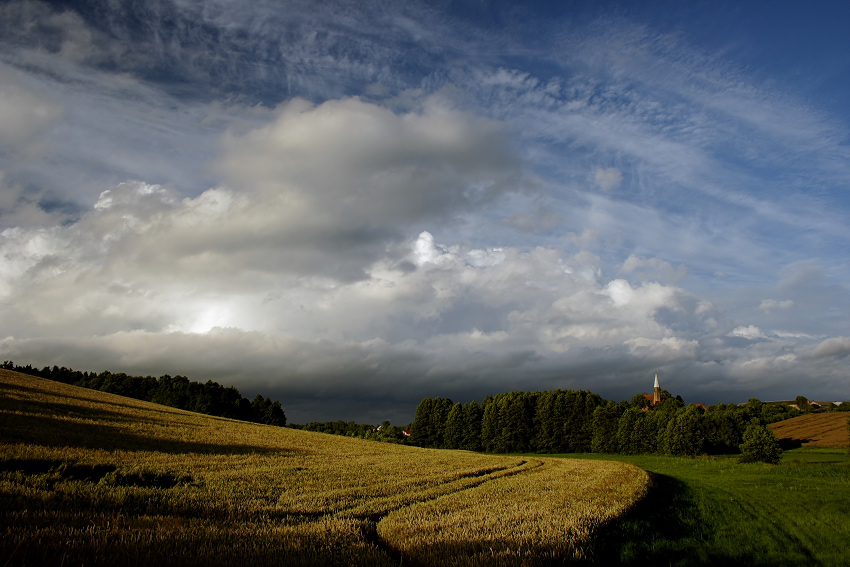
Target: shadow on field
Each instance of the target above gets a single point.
(60, 409)
(788, 443)
(33, 396)
(52, 432)
(665, 528)
(45, 393)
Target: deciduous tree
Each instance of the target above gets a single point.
(760, 444)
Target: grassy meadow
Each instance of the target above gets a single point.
(717, 511)
(93, 478)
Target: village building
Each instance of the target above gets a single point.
(655, 397)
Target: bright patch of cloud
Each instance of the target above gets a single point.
(768, 305)
(24, 113)
(836, 346)
(750, 332)
(653, 268)
(665, 349)
(607, 179)
(704, 307)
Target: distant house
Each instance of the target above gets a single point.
(813, 404)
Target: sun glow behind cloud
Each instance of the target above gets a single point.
(209, 317)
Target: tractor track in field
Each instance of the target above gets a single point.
(369, 530)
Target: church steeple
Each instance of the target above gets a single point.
(656, 396)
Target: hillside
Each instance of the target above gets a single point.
(95, 478)
(814, 430)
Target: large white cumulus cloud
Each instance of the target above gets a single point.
(352, 156)
(332, 184)
(321, 190)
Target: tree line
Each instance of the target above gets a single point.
(384, 432)
(179, 392)
(570, 421)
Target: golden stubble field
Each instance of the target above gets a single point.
(97, 479)
(815, 430)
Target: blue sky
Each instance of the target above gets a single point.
(353, 205)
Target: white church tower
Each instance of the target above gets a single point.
(656, 396)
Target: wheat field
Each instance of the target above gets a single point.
(97, 479)
(815, 430)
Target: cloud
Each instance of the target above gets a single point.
(124, 286)
(536, 221)
(750, 332)
(768, 305)
(665, 350)
(653, 268)
(834, 347)
(313, 200)
(20, 207)
(365, 159)
(342, 178)
(24, 113)
(37, 26)
(322, 191)
(607, 179)
(125, 289)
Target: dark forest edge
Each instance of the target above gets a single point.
(570, 421)
(179, 392)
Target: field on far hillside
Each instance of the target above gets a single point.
(814, 430)
(97, 479)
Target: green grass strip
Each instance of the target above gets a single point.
(710, 511)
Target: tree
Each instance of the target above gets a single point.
(723, 427)
(640, 401)
(760, 444)
(802, 404)
(453, 438)
(670, 404)
(605, 428)
(423, 433)
(491, 427)
(439, 416)
(472, 415)
(516, 414)
(548, 423)
(683, 434)
(267, 412)
(628, 435)
(651, 430)
(579, 425)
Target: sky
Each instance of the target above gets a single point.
(350, 206)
